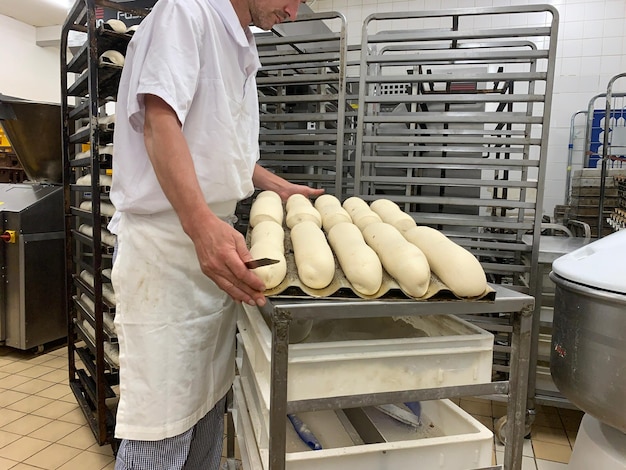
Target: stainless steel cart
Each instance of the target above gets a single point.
(280, 313)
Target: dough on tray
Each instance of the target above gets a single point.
(359, 262)
(454, 265)
(392, 214)
(266, 206)
(402, 259)
(314, 258)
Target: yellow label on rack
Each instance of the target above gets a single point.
(4, 141)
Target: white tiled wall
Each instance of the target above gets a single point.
(591, 50)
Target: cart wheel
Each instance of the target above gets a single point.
(499, 429)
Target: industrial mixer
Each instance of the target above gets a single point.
(32, 292)
(588, 357)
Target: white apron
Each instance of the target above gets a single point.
(176, 329)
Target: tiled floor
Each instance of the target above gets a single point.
(41, 426)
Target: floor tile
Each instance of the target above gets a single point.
(8, 397)
(55, 391)
(15, 367)
(87, 460)
(58, 362)
(8, 416)
(75, 416)
(56, 376)
(528, 463)
(29, 404)
(33, 387)
(552, 435)
(82, 438)
(54, 431)
(6, 463)
(26, 425)
(547, 465)
(7, 437)
(13, 380)
(476, 408)
(23, 448)
(36, 371)
(53, 456)
(55, 409)
(552, 452)
(105, 449)
(23, 466)
(548, 420)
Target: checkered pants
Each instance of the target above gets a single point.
(199, 448)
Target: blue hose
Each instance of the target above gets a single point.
(304, 432)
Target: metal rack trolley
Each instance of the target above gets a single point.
(614, 138)
(87, 85)
(464, 148)
(279, 313)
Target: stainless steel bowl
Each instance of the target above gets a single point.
(588, 357)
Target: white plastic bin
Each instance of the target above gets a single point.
(456, 441)
(379, 355)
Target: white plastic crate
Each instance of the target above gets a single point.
(379, 355)
(455, 441)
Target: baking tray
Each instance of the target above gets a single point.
(340, 286)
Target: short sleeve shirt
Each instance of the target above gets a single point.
(196, 56)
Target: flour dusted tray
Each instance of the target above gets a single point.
(340, 286)
(450, 440)
(371, 355)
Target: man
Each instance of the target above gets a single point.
(186, 141)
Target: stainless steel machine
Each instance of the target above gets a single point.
(589, 348)
(32, 250)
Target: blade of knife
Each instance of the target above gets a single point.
(257, 263)
(400, 414)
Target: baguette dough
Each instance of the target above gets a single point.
(314, 258)
(296, 200)
(359, 262)
(402, 259)
(267, 240)
(333, 216)
(354, 204)
(365, 216)
(454, 265)
(391, 213)
(267, 206)
(268, 230)
(299, 208)
(326, 200)
(273, 274)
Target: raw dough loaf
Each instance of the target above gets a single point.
(268, 230)
(365, 216)
(354, 204)
(454, 265)
(391, 213)
(273, 274)
(333, 216)
(326, 200)
(266, 206)
(402, 259)
(297, 200)
(359, 262)
(300, 209)
(267, 240)
(314, 258)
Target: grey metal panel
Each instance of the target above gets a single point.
(447, 104)
(33, 300)
(302, 99)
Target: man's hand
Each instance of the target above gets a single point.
(221, 252)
